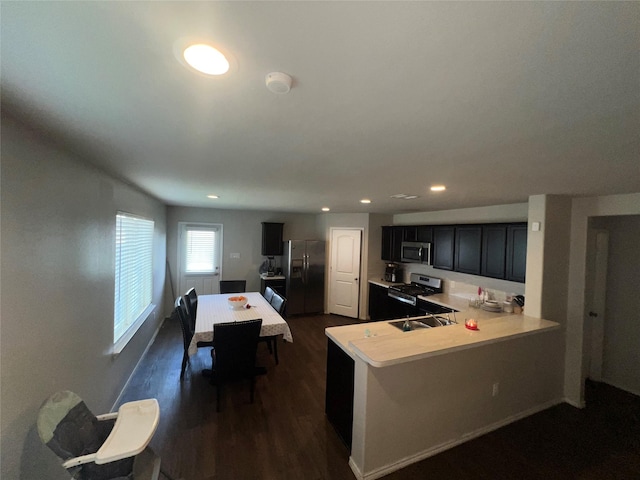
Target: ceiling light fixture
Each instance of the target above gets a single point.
(438, 188)
(278, 82)
(325, 209)
(206, 59)
(213, 196)
(365, 200)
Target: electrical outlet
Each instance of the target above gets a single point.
(496, 389)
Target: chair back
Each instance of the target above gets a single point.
(235, 345)
(278, 302)
(233, 286)
(268, 294)
(191, 305)
(185, 321)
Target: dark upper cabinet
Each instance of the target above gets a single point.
(392, 238)
(272, 239)
(425, 234)
(468, 247)
(494, 245)
(410, 234)
(443, 245)
(516, 262)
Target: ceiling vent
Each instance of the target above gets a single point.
(278, 82)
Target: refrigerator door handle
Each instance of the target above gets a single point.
(305, 269)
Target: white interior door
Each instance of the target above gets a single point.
(344, 276)
(596, 305)
(200, 251)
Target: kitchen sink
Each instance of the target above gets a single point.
(418, 323)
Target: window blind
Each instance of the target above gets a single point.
(201, 249)
(134, 271)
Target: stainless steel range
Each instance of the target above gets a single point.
(420, 285)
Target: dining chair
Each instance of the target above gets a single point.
(268, 294)
(234, 354)
(278, 303)
(233, 286)
(78, 437)
(187, 331)
(191, 299)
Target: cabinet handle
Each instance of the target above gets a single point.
(593, 314)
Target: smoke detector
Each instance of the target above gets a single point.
(278, 82)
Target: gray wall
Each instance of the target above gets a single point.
(57, 278)
(242, 233)
(621, 359)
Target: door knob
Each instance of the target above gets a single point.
(593, 314)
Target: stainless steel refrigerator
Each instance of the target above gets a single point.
(304, 264)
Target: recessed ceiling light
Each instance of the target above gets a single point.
(438, 188)
(325, 209)
(365, 200)
(206, 59)
(213, 196)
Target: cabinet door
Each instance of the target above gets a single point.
(378, 302)
(443, 247)
(339, 391)
(468, 247)
(272, 239)
(396, 252)
(494, 250)
(387, 244)
(516, 252)
(410, 234)
(425, 234)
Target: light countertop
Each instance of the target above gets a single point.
(387, 345)
(264, 276)
(383, 283)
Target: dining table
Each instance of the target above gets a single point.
(214, 309)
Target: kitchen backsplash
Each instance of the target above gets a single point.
(463, 285)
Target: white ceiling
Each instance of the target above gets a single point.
(498, 101)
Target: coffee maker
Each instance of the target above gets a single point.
(392, 273)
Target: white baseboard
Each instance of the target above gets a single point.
(430, 452)
(124, 387)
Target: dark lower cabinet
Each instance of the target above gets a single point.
(378, 302)
(278, 285)
(426, 307)
(443, 247)
(516, 266)
(494, 245)
(468, 248)
(339, 391)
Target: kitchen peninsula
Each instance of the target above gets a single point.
(417, 393)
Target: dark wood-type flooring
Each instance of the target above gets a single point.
(284, 434)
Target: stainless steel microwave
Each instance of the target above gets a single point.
(416, 252)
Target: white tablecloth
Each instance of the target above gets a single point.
(214, 309)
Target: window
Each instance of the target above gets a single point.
(201, 248)
(200, 254)
(134, 276)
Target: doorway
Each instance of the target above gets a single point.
(199, 254)
(344, 272)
